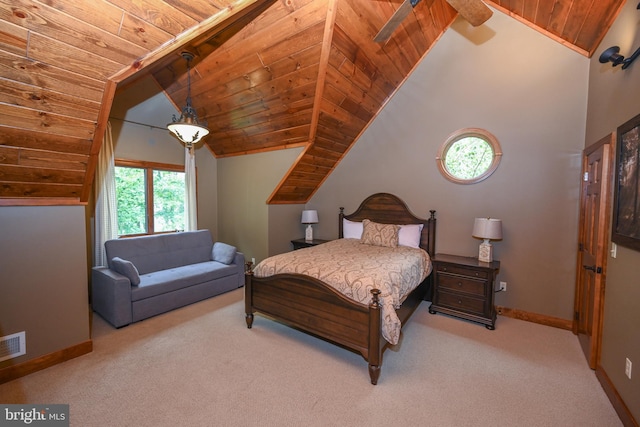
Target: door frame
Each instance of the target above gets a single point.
(602, 256)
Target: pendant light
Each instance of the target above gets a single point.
(187, 129)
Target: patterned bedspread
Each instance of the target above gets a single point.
(355, 269)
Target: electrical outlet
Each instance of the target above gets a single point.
(503, 286)
(627, 368)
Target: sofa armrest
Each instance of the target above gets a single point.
(111, 296)
(239, 261)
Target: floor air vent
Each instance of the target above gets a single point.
(13, 345)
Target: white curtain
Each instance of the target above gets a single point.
(106, 218)
(190, 202)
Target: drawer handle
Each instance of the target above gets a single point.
(459, 301)
(459, 283)
(477, 274)
(444, 268)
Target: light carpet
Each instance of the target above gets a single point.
(201, 366)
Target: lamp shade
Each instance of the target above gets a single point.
(487, 228)
(188, 131)
(309, 217)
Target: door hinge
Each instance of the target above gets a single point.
(586, 177)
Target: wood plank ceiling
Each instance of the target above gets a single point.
(267, 75)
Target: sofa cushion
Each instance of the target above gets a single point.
(162, 251)
(127, 269)
(160, 282)
(223, 253)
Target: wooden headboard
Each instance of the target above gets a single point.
(386, 208)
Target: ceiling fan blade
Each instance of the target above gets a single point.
(474, 11)
(393, 22)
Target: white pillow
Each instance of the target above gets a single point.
(351, 229)
(409, 235)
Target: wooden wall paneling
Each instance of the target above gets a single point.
(41, 190)
(142, 33)
(32, 97)
(40, 175)
(70, 58)
(15, 137)
(34, 120)
(34, 73)
(573, 27)
(52, 160)
(596, 24)
(108, 19)
(13, 38)
(160, 14)
(49, 22)
(200, 9)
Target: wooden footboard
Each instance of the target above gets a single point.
(315, 308)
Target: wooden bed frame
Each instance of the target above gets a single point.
(314, 307)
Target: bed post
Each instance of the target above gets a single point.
(432, 233)
(375, 350)
(248, 300)
(340, 221)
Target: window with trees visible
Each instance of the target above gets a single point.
(469, 155)
(150, 197)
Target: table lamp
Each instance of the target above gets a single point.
(487, 229)
(309, 217)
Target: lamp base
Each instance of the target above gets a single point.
(308, 235)
(485, 253)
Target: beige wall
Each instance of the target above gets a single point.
(527, 90)
(245, 219)
(614, 98)
(43, 279)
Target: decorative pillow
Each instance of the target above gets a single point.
(223, 253)
(409, 235)
(127, 269)
(379, 234)
(351, 229)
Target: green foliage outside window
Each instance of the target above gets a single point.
(132, 203)
(168, 200)
(469, 157)
(133, 191)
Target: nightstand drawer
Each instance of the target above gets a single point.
(464, 271)
(463, 287)
(462, 284)
(462, 303)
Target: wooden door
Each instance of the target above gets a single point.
(595, 202)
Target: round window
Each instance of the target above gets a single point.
(469, 156)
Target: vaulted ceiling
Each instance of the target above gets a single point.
(267, 75)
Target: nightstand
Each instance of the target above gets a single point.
(463, 287)
(302, 243)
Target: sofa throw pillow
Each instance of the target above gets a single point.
(223, 253)
(379, 234)
(127, 269)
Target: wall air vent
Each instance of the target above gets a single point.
(13, 345)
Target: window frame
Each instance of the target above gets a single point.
(149, 168)
(483, 134)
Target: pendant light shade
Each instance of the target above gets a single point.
(187, 128)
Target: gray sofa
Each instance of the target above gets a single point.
(150, 275)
